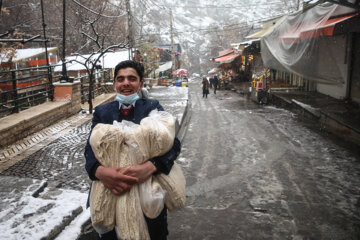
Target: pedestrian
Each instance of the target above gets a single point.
(205, 87)
(128, 81)
(211, 82)
(216, 83)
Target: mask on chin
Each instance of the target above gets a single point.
(127, 99)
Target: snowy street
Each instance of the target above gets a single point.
(257, 172)
(262, 120)
(253, 172)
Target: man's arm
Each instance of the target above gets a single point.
(91, 163)
(165, 162)
(113, 178)
(161, 164)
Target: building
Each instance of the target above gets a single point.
(316, 50)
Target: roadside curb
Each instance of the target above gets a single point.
(184, 124)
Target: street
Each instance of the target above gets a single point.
(256, 172)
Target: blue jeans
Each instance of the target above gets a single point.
(157, 228)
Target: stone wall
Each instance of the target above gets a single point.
(67, 100)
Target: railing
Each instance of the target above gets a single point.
(101, 78)
(21, 89)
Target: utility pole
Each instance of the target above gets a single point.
(129, 22)
(172, 44)
(64, 77)
(46, 52)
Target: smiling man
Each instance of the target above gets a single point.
(128, 82)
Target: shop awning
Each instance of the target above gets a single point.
(328, 28)
(225, 52)
(267, 29)
(226, 59)
(259, 34)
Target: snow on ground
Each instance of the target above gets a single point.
(311, 109)
(28, 217)
(173, 99)
(172, 91)
(73, 231)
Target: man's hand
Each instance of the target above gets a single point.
(115, 179)
(141, 171)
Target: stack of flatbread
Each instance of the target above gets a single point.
(125, 144)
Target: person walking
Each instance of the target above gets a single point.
(211, 82)
(216, 83)
(205, 87)
(128, 81)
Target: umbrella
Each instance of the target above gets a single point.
(180, 72)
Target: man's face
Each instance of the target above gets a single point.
(127, 81)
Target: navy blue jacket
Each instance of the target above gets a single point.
(109, 112)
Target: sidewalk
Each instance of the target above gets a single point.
(335, 116)
(338, 117)
(44, 185)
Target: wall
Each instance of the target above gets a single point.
(355, 70)
(19, 125)
(335, 46)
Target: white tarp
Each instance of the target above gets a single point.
(164, 67)
(213, 71)
(299, 44)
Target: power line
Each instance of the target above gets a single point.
(162, 7)
(230, 27)
(93, 11)
(220, 6)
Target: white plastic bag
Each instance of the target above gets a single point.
(151, 196)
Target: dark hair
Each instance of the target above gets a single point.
(130, 64)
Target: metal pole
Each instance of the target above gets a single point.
(172, 44)
(129, 23)
(46, 53)
(16, 101)
(64, 78)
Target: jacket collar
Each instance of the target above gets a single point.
(138, 110)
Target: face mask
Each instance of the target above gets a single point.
(127, 99)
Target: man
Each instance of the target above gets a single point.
(216, 83)
(211, 80)
(128, 81)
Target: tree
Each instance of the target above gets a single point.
(93, 59)
(150, 55)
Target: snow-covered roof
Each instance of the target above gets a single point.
(164, 67)
(21, 54)
(108, 60)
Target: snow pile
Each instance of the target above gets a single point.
(28, 217)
